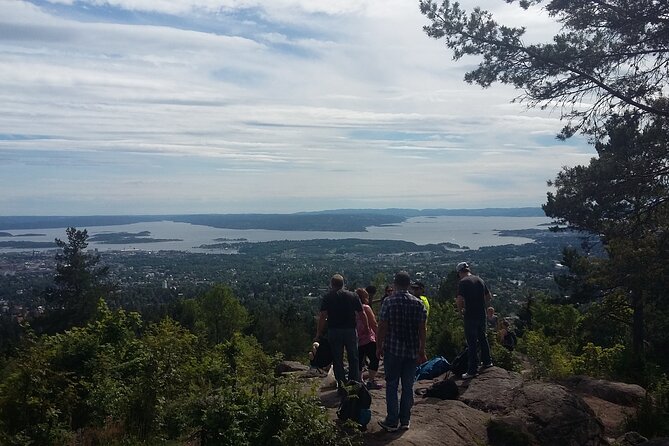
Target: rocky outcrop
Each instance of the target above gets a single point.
(549, 413)
(285, 367)
(433, 422)
(502, 408)
(612, 402)
(623, 394)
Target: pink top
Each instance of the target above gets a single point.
(364, 336)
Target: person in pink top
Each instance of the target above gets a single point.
(367, 339)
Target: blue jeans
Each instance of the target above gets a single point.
(397, 369)
(340, 339)
(475, 333)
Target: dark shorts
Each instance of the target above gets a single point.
(368, 350)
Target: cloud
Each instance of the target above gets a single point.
(159, 106)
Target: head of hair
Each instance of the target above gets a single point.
(371, 290)
(402, 280)
(337, 282)
(363, 295)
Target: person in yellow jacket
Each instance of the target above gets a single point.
(418, 290)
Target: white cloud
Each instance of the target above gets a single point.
(285, 102)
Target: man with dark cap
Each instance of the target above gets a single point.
(338, 308)
(472, 300)
(418, 290)
(401, 343)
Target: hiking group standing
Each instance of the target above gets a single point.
(399, 335)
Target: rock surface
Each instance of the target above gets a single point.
(501, 408)
(623, 394)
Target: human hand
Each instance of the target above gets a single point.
(421, 358)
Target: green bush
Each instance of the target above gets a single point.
(598, 362)
(548, 360)
(501, 356)
(445, 331)
(118, 382)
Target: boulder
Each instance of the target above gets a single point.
(557, 417)
(510, 431)
(616, 392)
(289, 367)
(551, 414)
(491, 391)
(613, 416)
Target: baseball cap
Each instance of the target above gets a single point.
(462, 266)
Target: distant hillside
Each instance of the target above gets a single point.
(338, 220)
(486, 212)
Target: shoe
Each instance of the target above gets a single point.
(486, 366)
(373, 385)
(405, 426)
(388, 427)
(468, 376)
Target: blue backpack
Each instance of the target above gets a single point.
(432, 368)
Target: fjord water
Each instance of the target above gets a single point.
(473, 232)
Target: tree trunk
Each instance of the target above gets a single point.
(637, 322)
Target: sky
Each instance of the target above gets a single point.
(270, 106)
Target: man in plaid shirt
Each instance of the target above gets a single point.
(401, 342)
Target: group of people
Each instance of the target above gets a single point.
(502, 329)
(398, 335)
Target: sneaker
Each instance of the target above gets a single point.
(486, 366)
(468, 375)
(388, 427)
(373, 385)
(405, 426)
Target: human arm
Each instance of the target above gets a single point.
(322, 318)
(487, 296)
(422, 335)
(365, 319)
(460, 303)
(373, 325)
(381, 337)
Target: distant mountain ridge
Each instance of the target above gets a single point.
(338, 220)
(483, 212)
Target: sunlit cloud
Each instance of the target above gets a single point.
(147, 106)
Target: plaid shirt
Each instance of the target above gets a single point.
(403, 313)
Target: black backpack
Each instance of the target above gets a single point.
(509, 340)
(323, 355)
(446, 389)
(355, 404)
